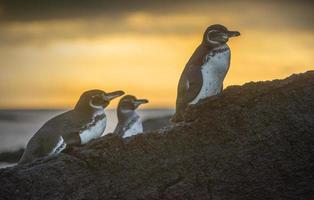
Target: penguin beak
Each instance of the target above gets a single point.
(138, 102)
(112, 95)
(233, 33)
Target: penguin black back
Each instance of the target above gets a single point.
(85, 122)
(192, 79)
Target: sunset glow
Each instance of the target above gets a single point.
(49, 63)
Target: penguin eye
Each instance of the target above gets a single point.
(97, 100)
(212, 35)
(127, 104)
(216, 36)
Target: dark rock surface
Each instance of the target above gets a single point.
(251, 142)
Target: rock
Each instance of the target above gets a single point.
(251, 142)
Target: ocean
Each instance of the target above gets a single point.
(18, 126)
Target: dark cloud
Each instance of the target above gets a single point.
(36, 10)
(28, 21)
(28, 10)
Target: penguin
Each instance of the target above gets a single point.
(205, 71)
(129, 122)
(76, 127)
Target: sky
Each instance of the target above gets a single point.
(53, 50)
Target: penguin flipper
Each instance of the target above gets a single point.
(190, 84)
(194, 84)
(74, 124)
(72, 139)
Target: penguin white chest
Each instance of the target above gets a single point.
(94, 131)
(214, 71)
(135, 128)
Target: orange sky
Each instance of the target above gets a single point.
(49, 63)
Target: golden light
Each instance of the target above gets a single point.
(48, 64)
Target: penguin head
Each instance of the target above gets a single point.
(216, 35)
(96, 100)
(130, 103)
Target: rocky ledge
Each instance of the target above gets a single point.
(251, 142)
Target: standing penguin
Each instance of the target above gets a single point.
(75, 127)
(129, 122)
(204, 73)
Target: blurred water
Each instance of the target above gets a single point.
(18, 126)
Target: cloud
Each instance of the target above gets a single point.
(44, 21)
(38, 10)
